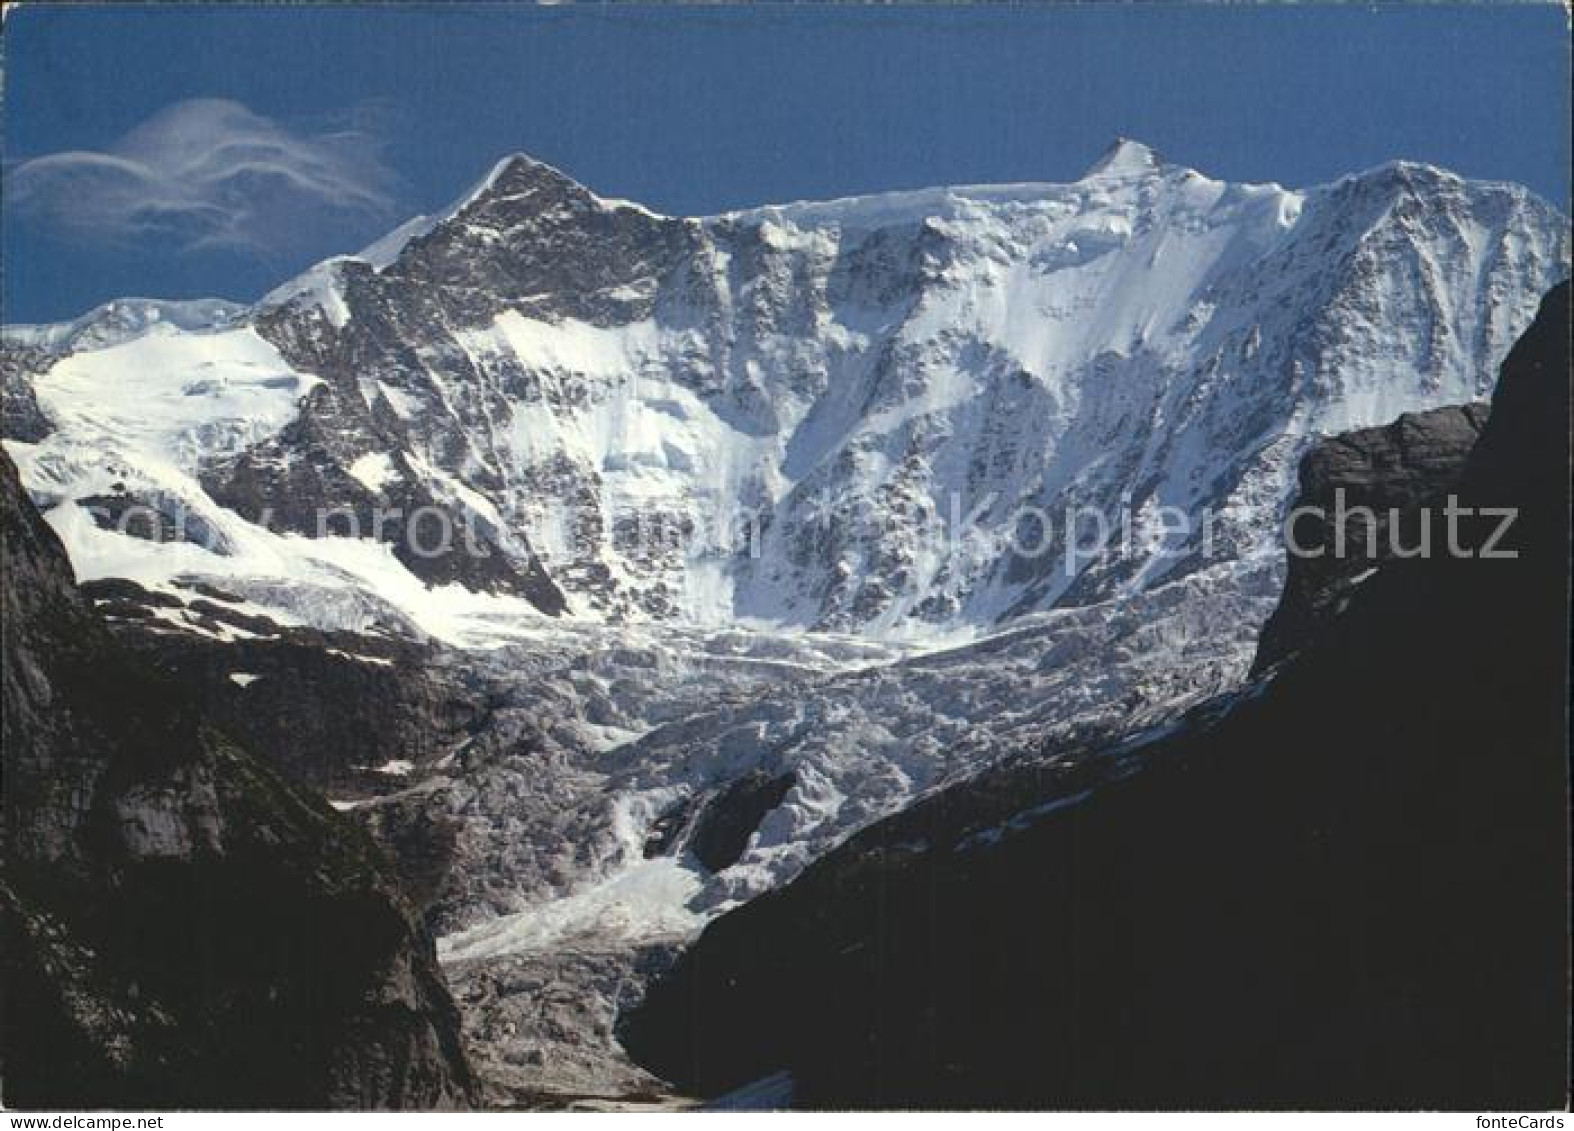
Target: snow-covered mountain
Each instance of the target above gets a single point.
(759, 521)
(869, 415)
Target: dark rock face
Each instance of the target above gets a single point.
(1345, 886)
(350, 713)
(182, 927)
(20, 416)
(421, 836)
(1360, 503)
(325, 716)
(716, 828)
(722, 830)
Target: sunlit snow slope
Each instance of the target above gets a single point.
(824, 415)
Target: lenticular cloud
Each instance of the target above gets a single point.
(208, 174)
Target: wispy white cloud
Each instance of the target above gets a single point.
(209, 174)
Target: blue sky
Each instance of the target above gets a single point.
(189, 150)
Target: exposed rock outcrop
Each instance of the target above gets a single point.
(716, 829)
(541, 1025)
(1360, 503)
(722, 830)
(20, 416)
(183, 928)
(350, 713)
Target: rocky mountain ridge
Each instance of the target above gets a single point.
(868, 415)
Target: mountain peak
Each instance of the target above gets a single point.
(520, 171)
(520, 175)
(1124, 158)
